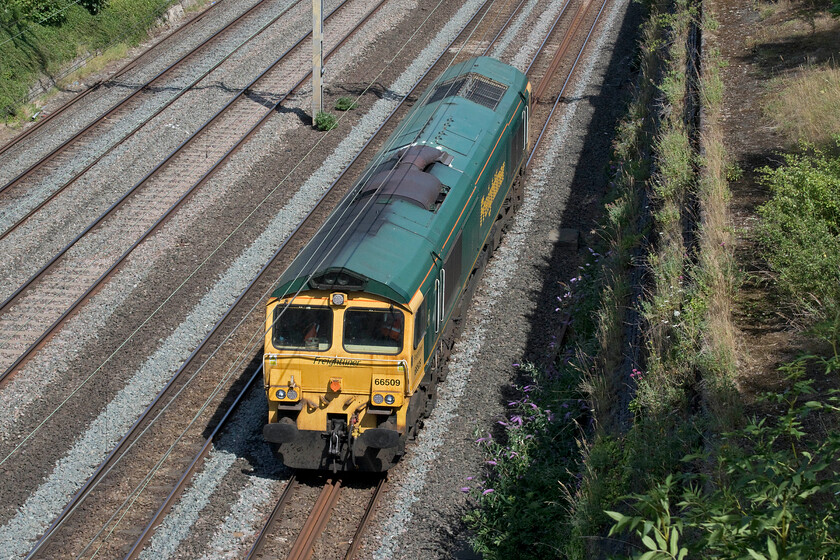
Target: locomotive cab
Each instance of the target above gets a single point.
(338, 377)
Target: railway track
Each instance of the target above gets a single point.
(41, 304)
(303, 232)
(45, 121)
(81, 146)
(78, 506)
(82, 503)
(362, 494)
(78, 148)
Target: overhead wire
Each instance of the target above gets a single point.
(251, 345)
(126, 340)
(105, 241)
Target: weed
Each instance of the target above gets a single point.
(800, 232)
(345, 104)
(325, 121)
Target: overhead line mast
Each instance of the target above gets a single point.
(317, 58)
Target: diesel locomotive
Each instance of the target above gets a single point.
(361, 322)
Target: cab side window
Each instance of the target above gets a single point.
(420, 324)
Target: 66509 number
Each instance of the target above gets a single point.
(386, 381)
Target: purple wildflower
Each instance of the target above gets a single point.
(488, 491)
(465, 489)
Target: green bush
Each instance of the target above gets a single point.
(800, 230)
(523, 497)
(47, 12)
(325, 121)
(345, 104)
(771, 495)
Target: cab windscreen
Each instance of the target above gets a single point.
(302, 327)
(373, 331)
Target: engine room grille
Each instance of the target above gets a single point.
(475, 87)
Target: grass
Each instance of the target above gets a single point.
(661, 185)
(31, 51)
(807, 105)
(95, 64)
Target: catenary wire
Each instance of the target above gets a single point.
(247, 349)
(198, 268)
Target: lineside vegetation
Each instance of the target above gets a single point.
(48, 42)
(656, 457)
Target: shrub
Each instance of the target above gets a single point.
(29, 50)
(345, 104)
(771, 495)
(325, 121)
(523, 499)
(47, 12)
(800, 230)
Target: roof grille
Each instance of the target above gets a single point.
(475, 87)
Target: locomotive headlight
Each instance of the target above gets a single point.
(337, 298)
(389, 399)
(377, 399)
(280, 394)
(292, 394)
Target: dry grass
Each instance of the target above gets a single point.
(95, 64)
(807, 105)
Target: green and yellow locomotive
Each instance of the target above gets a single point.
(362, 320)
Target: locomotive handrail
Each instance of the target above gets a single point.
(322, 357)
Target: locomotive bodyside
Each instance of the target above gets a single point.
(364, 315)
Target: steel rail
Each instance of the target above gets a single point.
(577, 21)
(317, 520)
(503, 28)
(119, 73)
(148, 531)
(90, 291)
(566, 83)
(108, 112)
(148, 120)
(547, 37)
(258, 545)
(357, 537)
(44, 540)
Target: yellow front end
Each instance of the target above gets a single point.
(337, 365)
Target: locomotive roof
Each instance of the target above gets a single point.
(387, 231)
